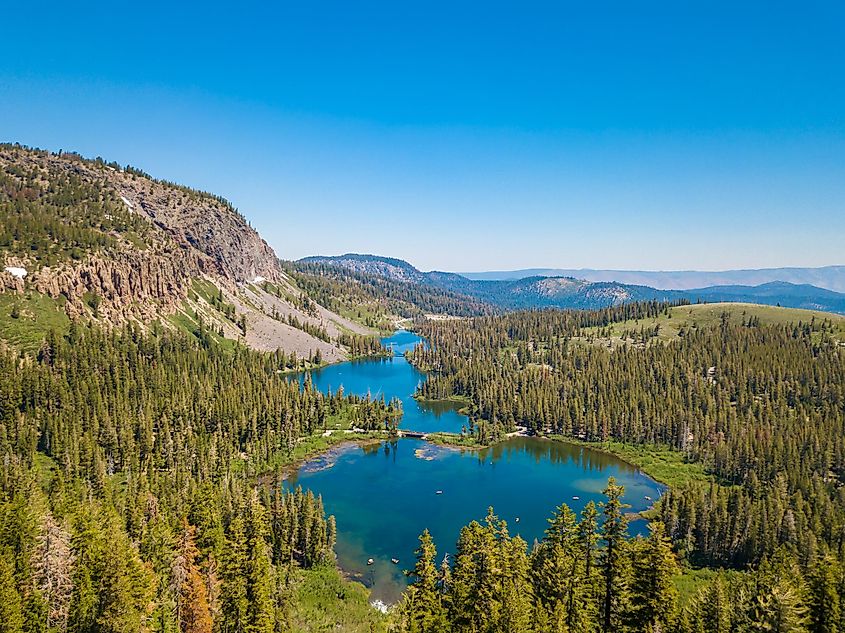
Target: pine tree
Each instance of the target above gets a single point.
(714, 608)
(194, 613)
(258, 570)
(654, 599)
(559, 570)
(473, 564)
(517, 592)
(83, 602)
(779, 605)
(779, 610)
(824, 603)
(423, 610)
(234, 594)
(588, 544)
(52, 569)
(614, 568)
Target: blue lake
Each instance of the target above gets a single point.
(384, 494)
(393, 378)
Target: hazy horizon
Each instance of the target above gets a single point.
(584, 268)
(660, 138)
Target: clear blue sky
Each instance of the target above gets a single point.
(463, 136)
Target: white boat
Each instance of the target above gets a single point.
(438, 492)
(370, 561)
(576, 498)
(395, 561)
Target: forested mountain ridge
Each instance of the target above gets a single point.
(97, 241)
(348, 290)
(389, 267)
(541, 291)
(507, 294)
(76, 223)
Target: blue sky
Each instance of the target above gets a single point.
(463, 136)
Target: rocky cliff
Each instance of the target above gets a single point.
(113, 244)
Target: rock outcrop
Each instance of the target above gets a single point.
(144, 265)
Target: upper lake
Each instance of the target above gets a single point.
(384, 494)
(392, 378)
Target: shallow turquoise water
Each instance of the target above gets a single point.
(385, 494)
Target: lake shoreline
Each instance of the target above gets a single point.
(383, 492)
(624, 452)
(381, 486)
(289, 468)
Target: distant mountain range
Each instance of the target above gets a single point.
(562, 291)
(98, 242)
(829, 277)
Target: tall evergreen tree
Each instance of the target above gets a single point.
(614, 559)
(825, 601)
(654, 599)
(258, 570)
(423, 609)
(194, 612)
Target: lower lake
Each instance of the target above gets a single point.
(384, 494)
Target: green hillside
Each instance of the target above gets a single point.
(670, 323)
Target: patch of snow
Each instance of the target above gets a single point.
(20, 273)
(258, 279)
(127, 202)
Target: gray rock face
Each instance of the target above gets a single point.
(191, 235)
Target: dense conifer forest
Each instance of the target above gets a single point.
(586, 575)
(65, 217)
(760, 406)
(129, 491)
(143, 487)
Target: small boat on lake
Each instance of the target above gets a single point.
(647, 498)
(370, 561)
(395, 561)
(576, 498)
(438, 492)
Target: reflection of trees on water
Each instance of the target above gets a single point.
(556, 453)
(371, 449)
(439, 407)
(391, 449)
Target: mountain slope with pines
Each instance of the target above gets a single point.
(86, 239)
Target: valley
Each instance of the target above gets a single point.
(246, 388)
(198, 426)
